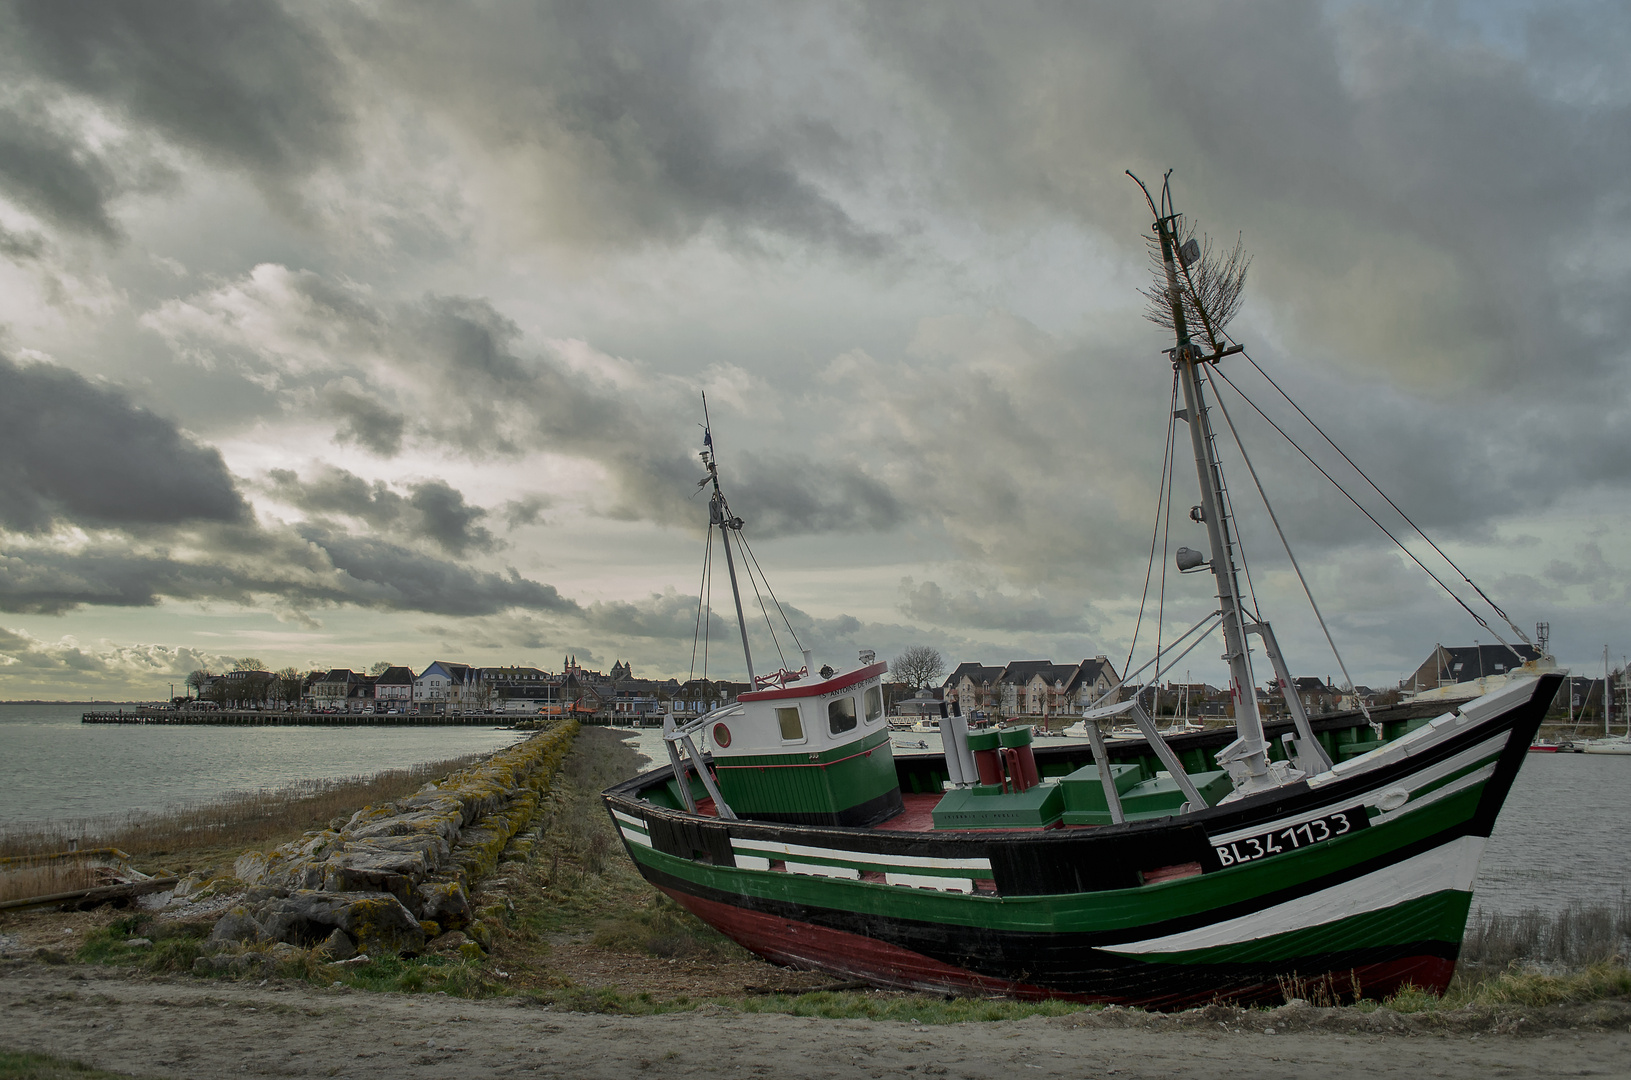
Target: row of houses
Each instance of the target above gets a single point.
(447, 686)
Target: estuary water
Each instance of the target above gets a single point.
(54, 768)
(1561, 837)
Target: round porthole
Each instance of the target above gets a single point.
(722, 735)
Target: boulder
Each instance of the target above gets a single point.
(337, 947)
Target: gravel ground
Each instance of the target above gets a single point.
(185, 1027)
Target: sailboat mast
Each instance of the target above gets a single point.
(720, 516)
(1187, 358)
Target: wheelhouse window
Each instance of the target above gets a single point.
(841, 715)
(874, 704)
(792, 727)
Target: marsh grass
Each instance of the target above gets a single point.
(23, 1066)
(238, 821)
(1580, 935)
(31, 881)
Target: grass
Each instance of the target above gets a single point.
(21, 1066)
(1580, 935)
(220, 829)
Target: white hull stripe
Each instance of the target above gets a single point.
(628, 819)
(1451, 867)
(1477, 776)
(1487, 748)
(922, 862)
(634, 837)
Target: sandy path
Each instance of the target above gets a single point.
(183, 1027)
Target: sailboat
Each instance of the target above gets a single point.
(1219, 865)
(1610, 744)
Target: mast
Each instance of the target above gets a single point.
(719, 514)
(1248, 754)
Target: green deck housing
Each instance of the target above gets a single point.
(829, 786)
(1084, 802)
(989, 807)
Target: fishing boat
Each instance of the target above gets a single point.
(1245, 864)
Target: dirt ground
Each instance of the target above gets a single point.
(181, 1027)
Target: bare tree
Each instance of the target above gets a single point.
(379, 668)
(918, 666)
(248, 663)
(198, 679)
(1210, 284)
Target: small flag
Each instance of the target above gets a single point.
(707, 437)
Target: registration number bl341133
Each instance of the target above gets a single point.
(1247, 849)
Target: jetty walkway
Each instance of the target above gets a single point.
(273, 718)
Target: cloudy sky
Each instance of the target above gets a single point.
(334, 333)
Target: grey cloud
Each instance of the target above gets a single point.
(433, 509)
(390, 576)
(992, 610)
(311, 568)
(367, 422)
(246, 83)
(525, 511)
(448, 520)
(55, 176)
(625, 118)
(74, 451)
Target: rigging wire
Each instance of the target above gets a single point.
(1241, 446)
(1155, 532)
(704, 596)
(779, 609)
(758, 596)
(1408, 520)
(1479, 619)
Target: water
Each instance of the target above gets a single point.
(1559, 839)
(53, 768)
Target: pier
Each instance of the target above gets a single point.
(264, 718)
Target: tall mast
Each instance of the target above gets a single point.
(1249, 751)
(719, 514)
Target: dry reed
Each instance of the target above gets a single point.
(241, 819)
(49, 880)
(1578, 936)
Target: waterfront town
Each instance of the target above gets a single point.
(1035, 689)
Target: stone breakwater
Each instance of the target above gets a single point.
(393, 876)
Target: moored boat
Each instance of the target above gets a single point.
(1166, 870)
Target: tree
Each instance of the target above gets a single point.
(918, 666)
(197, 680)
(248, 663)
(379, 668)
(288, 684)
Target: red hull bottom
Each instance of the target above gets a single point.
(804, 945)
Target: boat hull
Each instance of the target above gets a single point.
(1361, 881)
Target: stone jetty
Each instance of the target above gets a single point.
(392, 876)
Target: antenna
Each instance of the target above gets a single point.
(1543, 637)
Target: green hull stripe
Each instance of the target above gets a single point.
(1441, 916)
(1111, 909)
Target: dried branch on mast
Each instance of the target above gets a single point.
(1211, 283)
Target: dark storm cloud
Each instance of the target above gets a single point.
(391, 576)
(77, 452)
(629, 114)
(244, 82)
(313, 568)
(432, 509)
(927, 602)
(1408, 188)
(55, 176)
(367, 422)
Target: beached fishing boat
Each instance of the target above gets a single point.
(1247, 864)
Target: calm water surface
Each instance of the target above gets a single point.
(52, 767)
(1560, 837)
